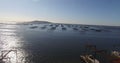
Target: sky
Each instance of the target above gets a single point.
(97, 12)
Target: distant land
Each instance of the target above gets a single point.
(47, 22)
(35, 22)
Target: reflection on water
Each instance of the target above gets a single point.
(9, 45)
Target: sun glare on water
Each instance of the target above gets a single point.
(9, 45)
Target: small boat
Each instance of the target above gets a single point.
(33, 27)
(115, 57)
(63, 28)
(115, 54)
(75, 29)
(89, 59)
(52, 28)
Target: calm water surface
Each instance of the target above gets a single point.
(48, 46)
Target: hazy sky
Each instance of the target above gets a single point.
(63, 11)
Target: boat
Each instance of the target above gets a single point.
(89, 59)
(115, 54)
(111, 57)
(115, 57)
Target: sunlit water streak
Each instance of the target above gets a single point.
(10, 43)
